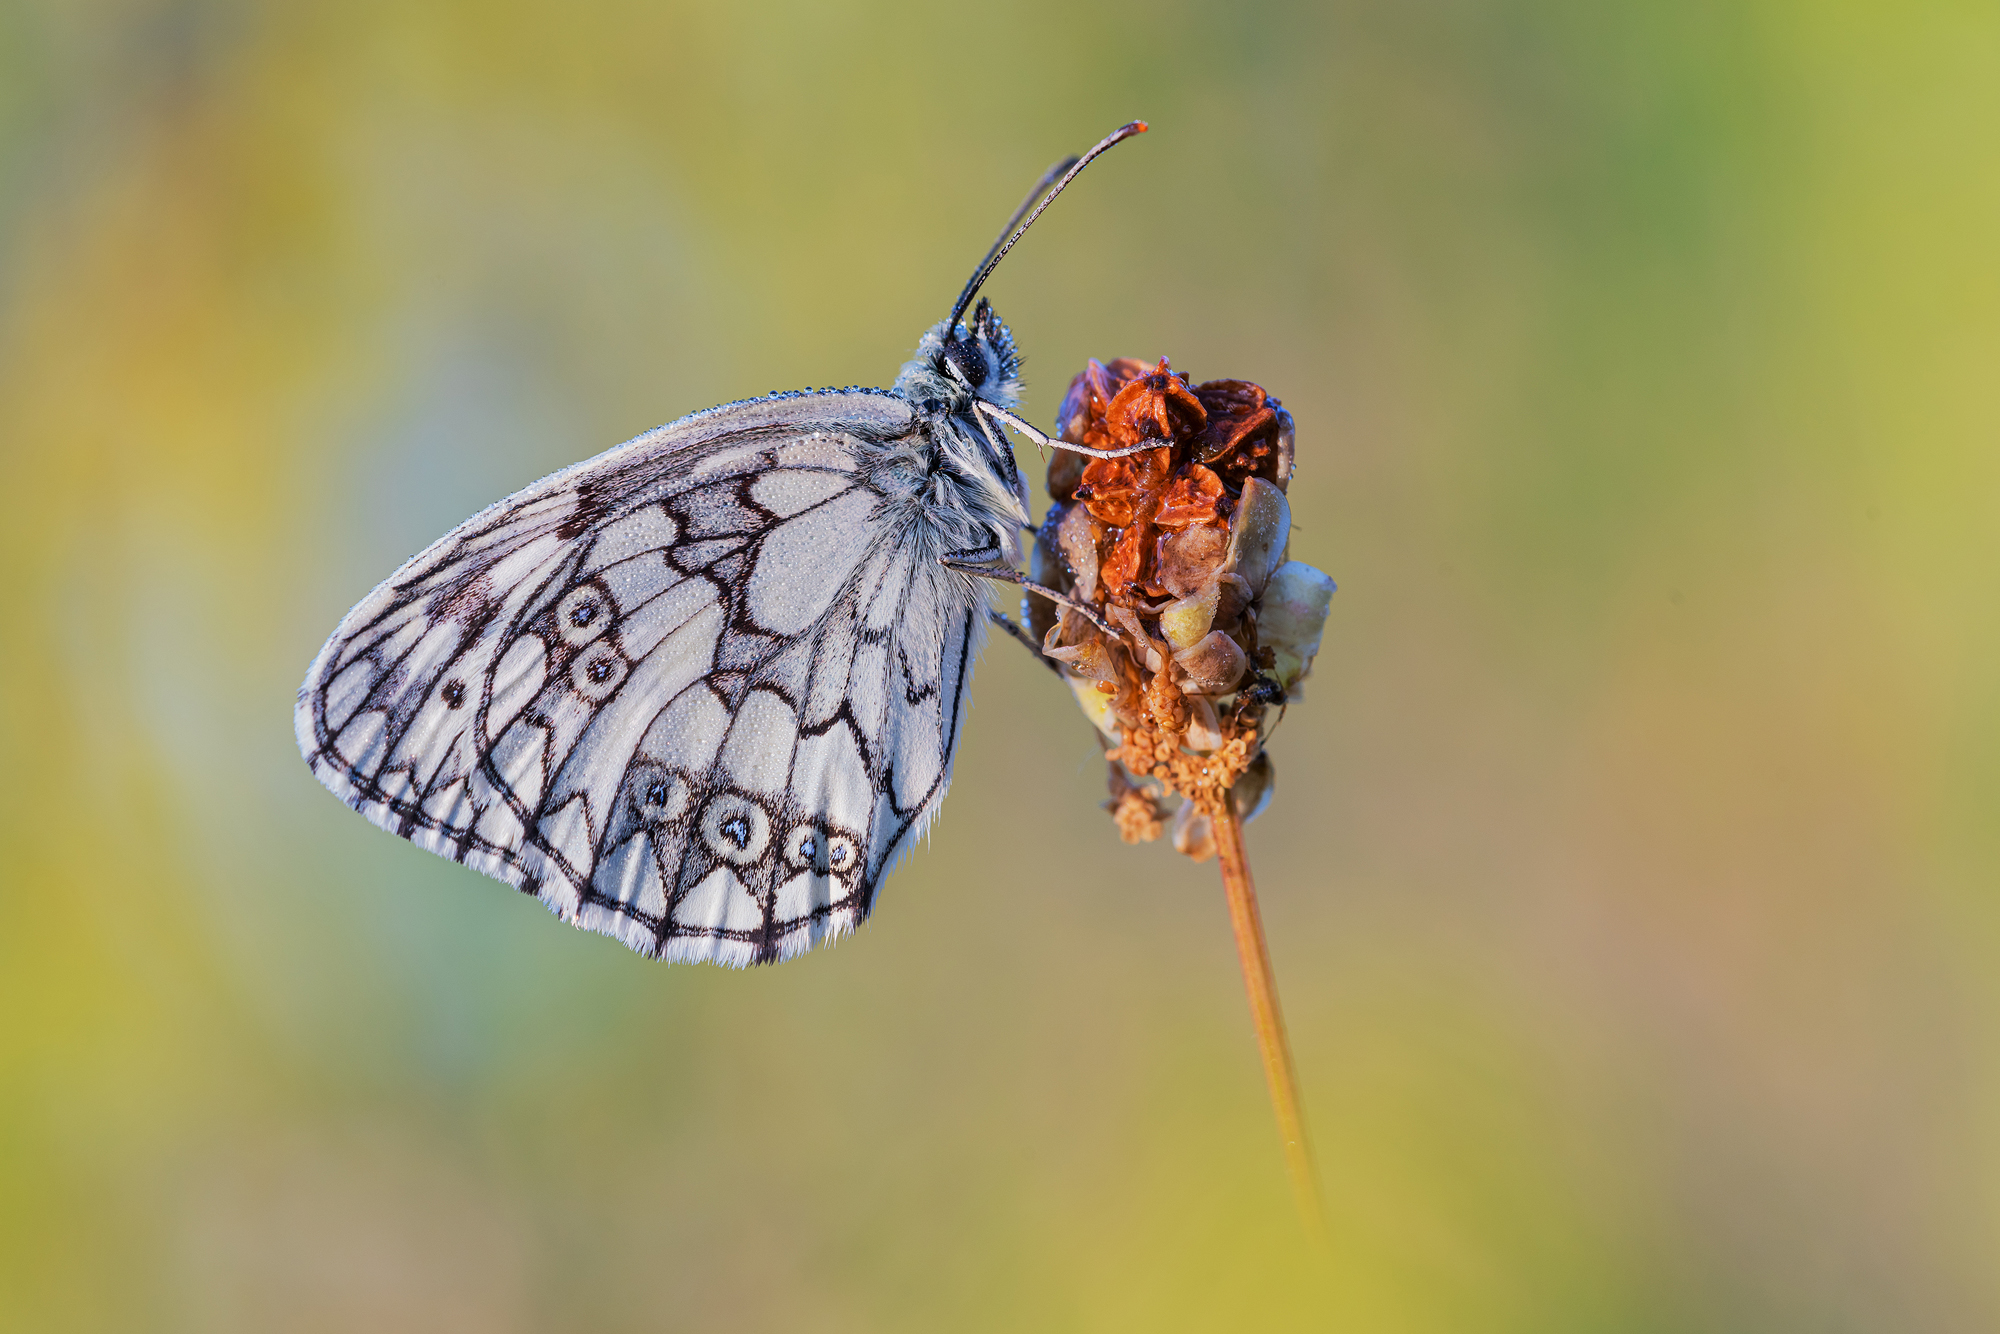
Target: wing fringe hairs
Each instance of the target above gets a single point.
(699, 693)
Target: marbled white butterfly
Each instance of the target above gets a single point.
(700, 692)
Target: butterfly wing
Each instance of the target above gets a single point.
(698, 693)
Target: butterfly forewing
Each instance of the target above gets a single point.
(697, 693)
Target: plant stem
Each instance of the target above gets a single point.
(1264, 1013)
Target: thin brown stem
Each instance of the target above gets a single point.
(1264, 1013)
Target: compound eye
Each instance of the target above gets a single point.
(967, 360)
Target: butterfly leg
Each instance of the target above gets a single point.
(987, 564)
(1001, 414)
(1021, 637)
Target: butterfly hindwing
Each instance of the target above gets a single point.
(697, 693)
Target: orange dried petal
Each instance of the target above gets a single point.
(1155, 406)
(1119, 491)
(1231, 397)
(1124, 571)
(1227, 433)
(1195, 497)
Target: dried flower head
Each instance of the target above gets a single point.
(1180, 550)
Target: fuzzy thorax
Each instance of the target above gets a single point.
(973, 472)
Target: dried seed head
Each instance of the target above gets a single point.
(1181, 549)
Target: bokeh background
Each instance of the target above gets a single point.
(1632, 878)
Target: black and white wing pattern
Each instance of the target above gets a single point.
(698, 693)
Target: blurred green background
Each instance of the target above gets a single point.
(1632, 877)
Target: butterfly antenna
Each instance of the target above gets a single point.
(1062, 174)
(1041, 186)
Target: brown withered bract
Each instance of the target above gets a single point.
(1180, 550)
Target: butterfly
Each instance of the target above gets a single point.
(700, 693)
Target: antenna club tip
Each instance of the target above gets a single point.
(1138, 127)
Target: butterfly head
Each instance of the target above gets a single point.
(955, 368)
(958, 364)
